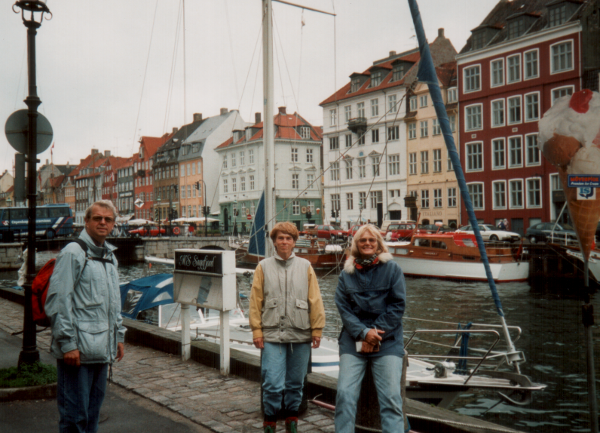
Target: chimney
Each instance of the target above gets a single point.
(223, 111)
(197, 117)
(81, 161)
(392, 53)
(106, 153)
(94, 151)
(281, 110)
(46, 162)
(441, 33)
(257, 117)
(175, 129)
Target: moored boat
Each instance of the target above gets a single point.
(456, 256)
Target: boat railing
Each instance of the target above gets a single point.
(562, 239)
(488, 355)
(514, 330)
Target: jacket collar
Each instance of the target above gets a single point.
(350, 265)
(279, 258)
(95, 250)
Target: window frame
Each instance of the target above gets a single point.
(510, 112)
(495, 205)
(437, 160)
(412, 163)
(492, 76)
(537, 62)
(467, 116)
(510, 164)
(468, 168)
(526, 151)
(508, 69)
(539, 192)
(553, 99)
(495, 152)
(375, 107)
(570, 42)
(467, 88)
(481, 192)
(527, 119)
(412, 131)
(493, 112)
(510, 194)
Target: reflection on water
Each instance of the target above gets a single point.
(553, 341)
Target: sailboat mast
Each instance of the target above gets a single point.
(268, 126)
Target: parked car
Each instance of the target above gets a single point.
(328, 232)
(354, 229)
(434, 228)
(143, 231)
(542, 231)
(491, 233)
(403, 231)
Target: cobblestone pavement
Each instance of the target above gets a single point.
(201, 394)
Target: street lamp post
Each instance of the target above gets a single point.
(205, 209)
(33, 8)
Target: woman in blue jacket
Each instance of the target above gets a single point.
(371, 298)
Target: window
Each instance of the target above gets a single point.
(375, 135)
(251, 156)
(514, 68)
(562, 57)
(412, 131)
(347, 113)
(473, 114)
(355, 84)
(516, 27)
(437, 160)
(516, 193)
(450, 166)
(335, 171)
(532, 107)
(497, 72)
(533, 151)
(295, 181)
(183, 192)
(332, 117)
(348, 138)
(311, 207)
(436, 129)
(360, 108)
(234, 185)
(452, 120)
(425, 198)
(398, 72)
(498, 113)
(309, 156)
(423, 101)
(437, 197)
(424, 161)
(376, 197)
(242, 159)
(362, 171)
(452, 95)
(374, 107)
(424, 128)
(225, 188)
(451, 197)
(348, 168)
(375, 165)
(295, 207)
(476, 194)
(335, 202)
(310, 178)
(412, 163)
(233, 159)
(474, 156)
(362, 200)
(294, 154)
(499, 195)
(413, 103)
(376, 78)
(392, 103)
(531, 64)
(393, 133)
(349, 201)
(472, 80)
(224, 163)
(557, 15)
(514, 110)
(361, 140)
(498, 153)
(515, 152)
(334, 143)
(560, 92)
(242, 184)
(534, 194)
(394, 164)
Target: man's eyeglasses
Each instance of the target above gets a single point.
(369, 240)
(97, 219)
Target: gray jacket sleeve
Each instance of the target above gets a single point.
(59, 301)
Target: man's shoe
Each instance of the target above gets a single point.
(291, 425)
(269, 427)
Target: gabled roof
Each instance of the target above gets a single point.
(208, 126)
(55, 182)
(152, 144)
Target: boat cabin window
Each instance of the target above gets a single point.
(422, 242)
(439, 244)
(468, 242)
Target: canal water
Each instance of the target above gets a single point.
(552, 340)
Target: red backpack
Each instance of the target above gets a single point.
(41, 282)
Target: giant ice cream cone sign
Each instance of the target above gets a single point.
(570, 139)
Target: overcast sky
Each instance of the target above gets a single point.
(110, 71)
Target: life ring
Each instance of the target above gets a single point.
(176, 230)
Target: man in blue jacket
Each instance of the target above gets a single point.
(84, 307)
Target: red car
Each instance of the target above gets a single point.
(328, 232)
(143, 231)
(403, 231)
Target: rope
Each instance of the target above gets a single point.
(173, 63)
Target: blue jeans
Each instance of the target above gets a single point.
(387, 373)
(284, 366)
(79, 393)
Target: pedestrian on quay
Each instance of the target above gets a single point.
(501, 225)
(286, 315)
(84, 307)
(371, 298)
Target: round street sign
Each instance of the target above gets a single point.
(248, 217)
(17, 127)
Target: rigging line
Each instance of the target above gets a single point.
(249, 71)
(173, 63)
(237, 91)
(287, 70)
(300, 62)
(279, 66)
(145, 75)
(184, 63)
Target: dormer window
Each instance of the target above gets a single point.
(376, 78)
(355, 85)
(519, 24)
(482, 36)
(356, 81)
(478, 40)
(305, 132)
(557, 15)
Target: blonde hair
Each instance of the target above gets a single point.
(370, 228)
(286, 228)
(107, 204)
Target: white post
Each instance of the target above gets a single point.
(185, 332)
(224, 316)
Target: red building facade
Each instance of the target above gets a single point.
(514, 66)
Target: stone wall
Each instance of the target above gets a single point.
(10, 256)
(164, 248)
